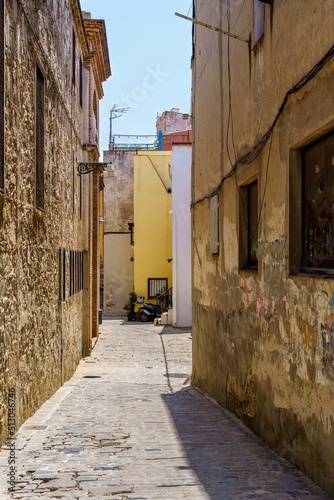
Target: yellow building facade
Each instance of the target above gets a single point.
(152, 239)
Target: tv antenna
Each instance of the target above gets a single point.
(115, 113)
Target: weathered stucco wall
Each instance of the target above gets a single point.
(118, 273)
(118, 210)
(118, 193)
(40, 336)
(263, 341)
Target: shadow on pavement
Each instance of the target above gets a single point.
(229, 461)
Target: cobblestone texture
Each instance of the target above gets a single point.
(128, 426)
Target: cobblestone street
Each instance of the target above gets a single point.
(129, 426)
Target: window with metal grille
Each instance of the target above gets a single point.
(76, 272)
(317, 205)
(2, 110)
(156, 286)
(248, 226)
(39, 138)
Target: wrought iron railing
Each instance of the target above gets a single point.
(165, 300)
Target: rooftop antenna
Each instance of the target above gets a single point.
(115, 113)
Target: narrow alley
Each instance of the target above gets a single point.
(128, 425)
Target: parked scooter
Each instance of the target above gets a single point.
(148, 312)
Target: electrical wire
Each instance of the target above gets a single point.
(256, 150)
(252, 19)
(191, 5)
(199, 8)
(239, 15)
(213, 8)
(230, 114)
(264, 190)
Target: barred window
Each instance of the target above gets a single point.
(156, 286)
(76, 272)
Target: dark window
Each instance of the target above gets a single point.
(318, 205)
(156, 286)
(39, 138)
(2, 111)
(80, 82)
(76, 272)
(248, 226)
(73, 56)
(258, 20)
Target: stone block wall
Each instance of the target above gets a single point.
(40, 335)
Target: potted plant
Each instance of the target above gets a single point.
(130, 306)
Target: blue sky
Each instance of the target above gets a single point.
(150, 53)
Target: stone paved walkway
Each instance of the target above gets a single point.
(127, 426)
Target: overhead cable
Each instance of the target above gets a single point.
(256, 150)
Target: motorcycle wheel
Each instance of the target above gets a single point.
(143, 316)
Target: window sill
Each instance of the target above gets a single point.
(251, 270)
(313, 274)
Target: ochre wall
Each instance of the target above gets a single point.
(263, 341)
(153, 223)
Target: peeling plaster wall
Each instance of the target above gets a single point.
(263, 341)
(40, 337)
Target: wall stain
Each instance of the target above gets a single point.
(327, 332)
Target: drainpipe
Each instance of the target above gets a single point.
(160, 134)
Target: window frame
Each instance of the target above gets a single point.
(309, 209)
(248, 225)
(161, 290)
